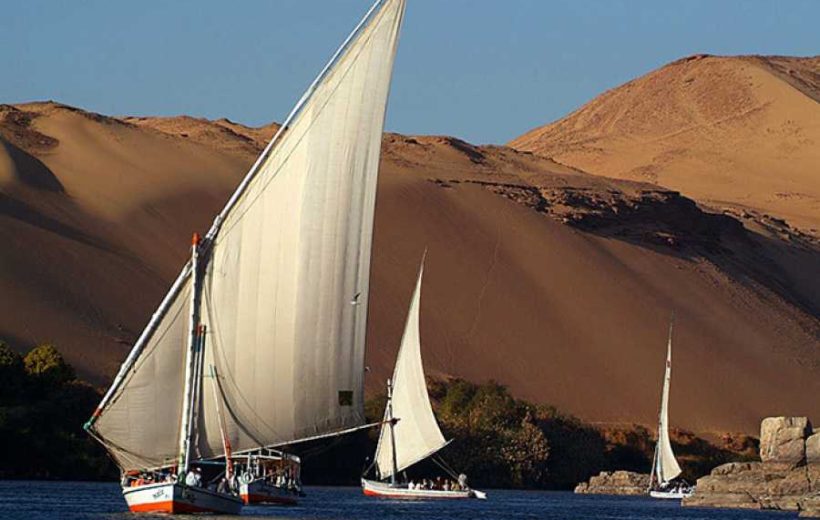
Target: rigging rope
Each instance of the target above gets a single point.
(443, 465)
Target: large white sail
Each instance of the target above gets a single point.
(416, 434)
(665, 466)
(285, 284)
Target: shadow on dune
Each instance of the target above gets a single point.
(749, 258)
(31, 171)
(18, 210)
(670, 224)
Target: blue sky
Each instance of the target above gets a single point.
(482, 70)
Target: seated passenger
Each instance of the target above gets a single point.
(193, 478)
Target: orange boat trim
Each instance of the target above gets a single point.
(168, 506)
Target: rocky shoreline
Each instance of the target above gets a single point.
(786, 478)
(615, 483)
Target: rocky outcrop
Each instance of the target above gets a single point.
(783, 440)
(787, 478)
(615, 483)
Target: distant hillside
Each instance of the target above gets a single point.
(740, 132)
(550, 280)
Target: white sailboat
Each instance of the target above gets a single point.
(409, 432)
(256, 345)
(665, 467)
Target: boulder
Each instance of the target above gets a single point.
(615, 483)
(783, 440)
(732, 478)
(813, 448)
(785, 491)
(721, 500)
(732, 468)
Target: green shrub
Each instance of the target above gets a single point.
(46, 366)
(42, 411)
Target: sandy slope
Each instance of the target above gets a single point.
(553, 281)
(733, 131)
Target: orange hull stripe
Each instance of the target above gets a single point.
(169, 506)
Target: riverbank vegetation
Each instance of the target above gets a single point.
(498, 440)
(42, 408)
(504, 442)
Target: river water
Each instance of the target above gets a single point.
(92, 500)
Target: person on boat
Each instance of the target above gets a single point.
(194, 478)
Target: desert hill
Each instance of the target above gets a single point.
(548, 279)
(739, 132)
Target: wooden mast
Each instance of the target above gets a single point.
(391, 424)
(192, 364)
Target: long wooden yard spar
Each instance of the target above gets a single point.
(321, 168)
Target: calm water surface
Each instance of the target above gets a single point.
(81, 500)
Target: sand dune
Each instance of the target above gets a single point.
(553, 281)
(732, 131)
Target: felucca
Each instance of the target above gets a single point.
(409, 432)
(260, 341)
(665, 467)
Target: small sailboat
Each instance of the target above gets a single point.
(409, 432)
(256, 346)
(663, 480)
(270, 477)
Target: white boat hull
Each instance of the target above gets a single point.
(261, 492)
(670, 495)
(170, 497)
(375, 488)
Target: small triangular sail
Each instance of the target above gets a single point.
(284, 259)
(417, 434)
(665, 466)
